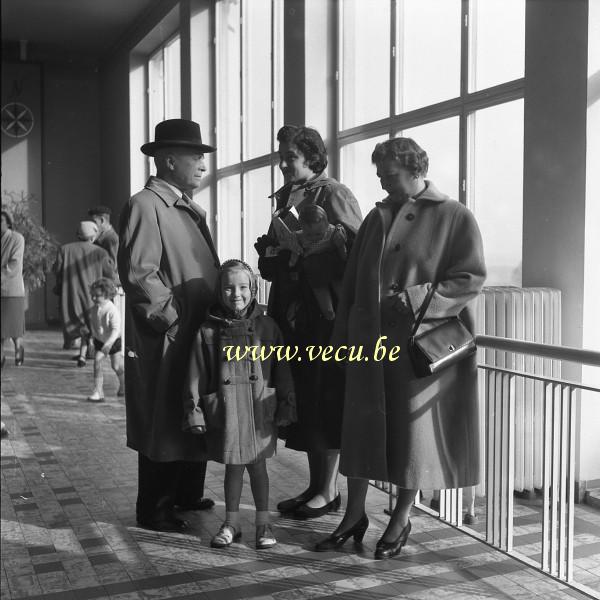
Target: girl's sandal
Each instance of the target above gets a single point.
(264, 537)
(81, 362)
(95, 397)
(226, 536)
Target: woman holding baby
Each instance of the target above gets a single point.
(321, 217)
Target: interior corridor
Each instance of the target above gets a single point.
(69, 531)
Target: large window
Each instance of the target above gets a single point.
(365, 62)
(164, 87)
(164, 83)
(359, 174)
(498, 40)
(427, 64)
(496, 188)
(441, 72)
(249, 59)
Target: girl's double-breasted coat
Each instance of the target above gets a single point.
(238, 401)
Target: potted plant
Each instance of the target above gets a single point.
(40, 247)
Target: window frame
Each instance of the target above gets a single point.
(463, 106)
(162, 50)
(269, 159)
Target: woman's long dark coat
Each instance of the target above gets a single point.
(416, 433)
(293, 306)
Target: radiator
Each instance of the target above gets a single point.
(530, 314)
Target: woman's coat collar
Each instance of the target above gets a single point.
(430, 193)
(319, 181)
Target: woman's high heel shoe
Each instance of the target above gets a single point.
(337, 540)
(390, 549)
(19, 356)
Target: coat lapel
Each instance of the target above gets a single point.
(198, 214)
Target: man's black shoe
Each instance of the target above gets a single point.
(172, 525)
(202, 504)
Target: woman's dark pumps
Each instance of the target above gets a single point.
(19, 357)
(390, 549)
(337, 540)
(306, 512)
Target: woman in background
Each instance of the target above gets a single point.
(13, 289)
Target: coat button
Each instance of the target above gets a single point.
(392, 323)
(253, 377)
(395, 287)
(250, 330)
(226, 381)
(410, 217)
(397, 247)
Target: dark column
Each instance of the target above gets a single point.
(186, 62)
(293, 63)
(554, 156)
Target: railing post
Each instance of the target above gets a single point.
(546, 446)
(510, 471)
(546, 531)
(570, 491)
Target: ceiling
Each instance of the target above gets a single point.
(92, 27)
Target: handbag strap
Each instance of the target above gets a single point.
(423, 309)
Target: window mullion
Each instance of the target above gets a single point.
(213, 121)
(394, 51)
(339, 71)
(243, 71)
(465, 60)
(272, 145)
(463, 146)
(164, 82)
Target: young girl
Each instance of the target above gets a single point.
(105, 325)
(238, 403)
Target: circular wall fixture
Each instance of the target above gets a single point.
(16, 120)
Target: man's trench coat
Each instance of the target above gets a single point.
(168, 268)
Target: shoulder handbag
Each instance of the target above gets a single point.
(436, 344)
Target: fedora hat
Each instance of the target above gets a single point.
(176, 133)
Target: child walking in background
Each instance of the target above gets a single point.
(238, 404)
(105, 324)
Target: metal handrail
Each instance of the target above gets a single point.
(567, 353)
(542, 378)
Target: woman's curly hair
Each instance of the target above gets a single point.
(310, 143)
(404, 151)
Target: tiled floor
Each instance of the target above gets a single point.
(69, 531)
(527, 536)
